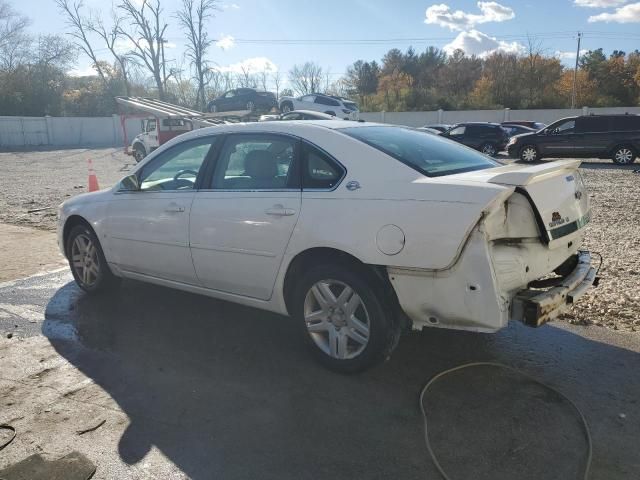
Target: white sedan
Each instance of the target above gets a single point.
(357, 230)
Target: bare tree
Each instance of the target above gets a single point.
(305, 78)
(12, 24)
(192, 17)
(245, 78)
(146, 34)
(80, 28)
(110, 36)
(277, 82)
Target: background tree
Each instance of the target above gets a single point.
(306, 78)
(192, 17)
(146, 31)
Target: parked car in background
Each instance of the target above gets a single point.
(244, 99)
(331, 105)
(517, 129)
(441, 127)
(597, 136)
(297, 115)
(525, 123)
(489, 138)
(302, 218)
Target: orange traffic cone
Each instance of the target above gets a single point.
(93, 180)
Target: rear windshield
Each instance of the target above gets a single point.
(429, 154)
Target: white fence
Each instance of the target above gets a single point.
(418, 119)
(66, 131)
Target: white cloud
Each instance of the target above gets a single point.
(86, 71)
(627, 14)
(568, 55)
(477, 43)
(249, 65)
(226, 42)
(598, 3)
(442, 15)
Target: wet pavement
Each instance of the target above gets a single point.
(224, 391)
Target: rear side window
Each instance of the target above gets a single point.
(592, 124)
(319, 170)
(626, 123)
(430, 155)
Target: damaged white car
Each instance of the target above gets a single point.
(356, 230)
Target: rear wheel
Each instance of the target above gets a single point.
(528, 153)
(488, 149)
(86, 259)
(623, 155)
(348, 326)
(139, 153)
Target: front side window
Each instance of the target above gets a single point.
(565, 126)
(319, 170)
(459, 130)
(176, 168)
(308, 98)
(256, 162)
(151, 125)
(430, 155)
(230, 94)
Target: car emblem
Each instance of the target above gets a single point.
(353, 185)
(555, 217)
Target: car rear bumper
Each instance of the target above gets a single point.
(535, 307)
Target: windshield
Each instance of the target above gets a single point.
(429, 154)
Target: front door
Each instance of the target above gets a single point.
(148, 229)
(241, 222)
(561, 140)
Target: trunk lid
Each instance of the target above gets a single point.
(555, 189)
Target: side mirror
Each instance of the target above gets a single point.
(129, 184)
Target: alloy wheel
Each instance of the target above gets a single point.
(488, 149)
(624, 155)
(84, 260)
(336, 319)
(529, 154)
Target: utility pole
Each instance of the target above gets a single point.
(575, 74)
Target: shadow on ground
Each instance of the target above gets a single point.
(230, 392)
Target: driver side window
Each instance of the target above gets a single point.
(176, 168)
(565, 127)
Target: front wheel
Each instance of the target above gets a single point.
(87, 262)
(488, 149)
(139, 153)
(623, 155)
(528, 153)
(348, 326)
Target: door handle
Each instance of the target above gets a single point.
(280, 211)
(174, 208)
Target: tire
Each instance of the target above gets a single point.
(286, 107)
(139, 153)
(84, 252)
(529, 153)
(339, 341)
(251, 106)
(623, 155)
(488, 149)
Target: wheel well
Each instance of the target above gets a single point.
(377, 274)
(139, 145)
(620, 145)
(73, 221)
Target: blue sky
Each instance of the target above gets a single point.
(477, 27)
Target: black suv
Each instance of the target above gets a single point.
(489, 138)
(243, 99)
(592, 136)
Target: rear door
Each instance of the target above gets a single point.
(593, 134)
(243, 218)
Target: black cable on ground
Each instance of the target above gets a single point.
(11, 439)
(444, 475)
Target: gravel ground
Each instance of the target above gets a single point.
(38, 179)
